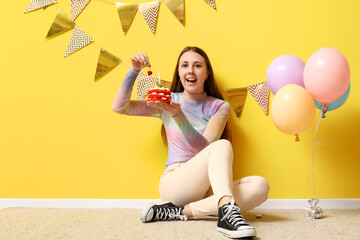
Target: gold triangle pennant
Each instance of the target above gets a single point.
(211, 3)
(61, 24)
(37, 4)
(76, 7)
(106, 63)
(177, 8)
(150, 11)
(126, 13)
(167, 84)
(79, 39)
(261, 93)
(237, 98)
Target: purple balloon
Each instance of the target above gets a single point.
(283, 70)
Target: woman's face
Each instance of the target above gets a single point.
(192, 72)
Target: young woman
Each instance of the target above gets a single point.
(198, 180)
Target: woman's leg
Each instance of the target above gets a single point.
(189, 182)
(249, 192)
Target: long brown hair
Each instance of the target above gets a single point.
(210, 87)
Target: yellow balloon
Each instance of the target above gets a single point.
(293, 109)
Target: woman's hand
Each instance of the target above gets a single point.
(173, 107)
(139, 61)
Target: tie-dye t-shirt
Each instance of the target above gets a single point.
(187, 133)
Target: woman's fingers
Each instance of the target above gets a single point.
(145, 59)
(173, 108)
(140, 60)
(175, 104)
(160, 105)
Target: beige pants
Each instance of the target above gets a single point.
(206, 178)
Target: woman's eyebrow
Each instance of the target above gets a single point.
(185, 61)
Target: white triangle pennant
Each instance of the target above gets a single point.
(76, 7)
(144, 83)
(36, 4)
(79, 39)
(211, 3)
(150, 11)
(261, 93)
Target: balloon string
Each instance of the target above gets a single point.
(313, 152)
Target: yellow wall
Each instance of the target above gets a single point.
(60, 139)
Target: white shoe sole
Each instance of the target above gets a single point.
(245, 232)
(145, 213)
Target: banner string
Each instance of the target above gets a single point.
(113, 3)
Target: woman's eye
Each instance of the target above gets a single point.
(198, 66)
(184, 65)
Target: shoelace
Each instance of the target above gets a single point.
(168, 214)
(178, 216)
(233, 214)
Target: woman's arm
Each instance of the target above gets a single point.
(122, 103)
(196, 140)
(213, 130)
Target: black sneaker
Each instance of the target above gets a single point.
(232, 224)
(163, 212)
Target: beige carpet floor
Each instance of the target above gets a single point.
(96, 224)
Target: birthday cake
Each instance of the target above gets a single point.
(159, 93)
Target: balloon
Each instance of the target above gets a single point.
(326, 75)
(293, 109)
(335, 104)
(283, 70)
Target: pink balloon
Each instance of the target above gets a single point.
(327, 75)
(283, 70)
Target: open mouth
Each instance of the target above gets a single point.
(191, 80)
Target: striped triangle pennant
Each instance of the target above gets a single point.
(61, 24)
(144, 83)
(76, 7)
(126, 12)
(106, 63)
(79, 39)
(150, 11)
(261, 93)
(177, 8)
(211, 3)
(37, 4)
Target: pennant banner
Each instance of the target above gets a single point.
(106, 63)
(126, 13)
(144, 83)
(61, 24)
(79, 39)
(261, 94)
(177, 8)
(167, 84)
(150, 11)
(237, 99)
(37, 4)
(211, 3)
(76, 7)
